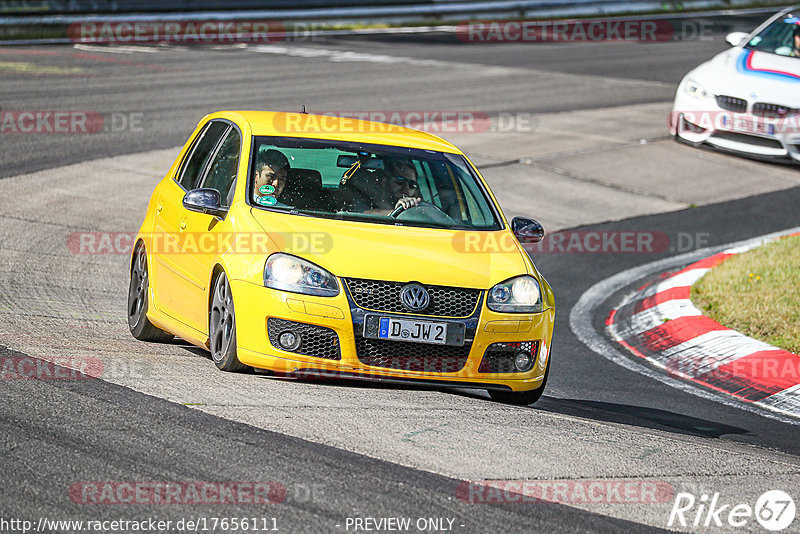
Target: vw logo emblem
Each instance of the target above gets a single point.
(415, 297)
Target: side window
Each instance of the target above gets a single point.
(478, 212)
(199, 154)
(475, 215)
(225, 166)
(427, 184)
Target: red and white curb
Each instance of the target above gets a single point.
(659, 323)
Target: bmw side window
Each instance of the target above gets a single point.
(222, 173)
(200, 153)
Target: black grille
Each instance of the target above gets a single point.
(412, 356)
(499, 357)
(772, 110)
(731, 103)
(384, 296)
(315, 341)
(749, 139)
(690, 126)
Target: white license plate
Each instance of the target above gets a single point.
(412, 330)
(750, 126)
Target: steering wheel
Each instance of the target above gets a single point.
(423, 203)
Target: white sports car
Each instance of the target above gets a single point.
(747, 99)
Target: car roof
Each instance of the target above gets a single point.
(344, 128)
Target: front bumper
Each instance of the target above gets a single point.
(255, 305)
(743, 133)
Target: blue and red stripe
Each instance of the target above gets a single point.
(745, 65)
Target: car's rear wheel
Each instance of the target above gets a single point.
(141, 327)
(222, 327)
(521, 398)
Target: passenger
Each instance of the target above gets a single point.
(271, 171)
(796, 42)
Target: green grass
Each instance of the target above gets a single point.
(757, 293)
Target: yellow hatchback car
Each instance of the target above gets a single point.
(314, 246)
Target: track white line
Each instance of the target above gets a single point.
(587, 306)
(686, 279)
(656, 316)
(474, 69)
(128, 49)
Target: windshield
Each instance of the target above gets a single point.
(373, 183)
(782, 37)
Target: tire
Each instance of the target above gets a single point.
(222, 328)
(521, 398)
(140, 326)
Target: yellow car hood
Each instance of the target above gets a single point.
(398, 253)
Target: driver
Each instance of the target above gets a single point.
(271, 171)
(399, 187)
(796, 42)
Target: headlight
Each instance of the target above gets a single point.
(289, 273)
(518, 295)
(696, 90)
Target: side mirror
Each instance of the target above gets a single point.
(206, 201)
(527, 230)
(735, 38)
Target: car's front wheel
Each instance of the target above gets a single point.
(521, 398)
(222, 327)
(141, 327)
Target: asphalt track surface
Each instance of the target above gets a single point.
(57, 432)
(172, 90)
(61, 432)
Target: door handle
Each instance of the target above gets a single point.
(182, 225)
(159, 208)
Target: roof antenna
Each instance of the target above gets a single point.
(303, 111)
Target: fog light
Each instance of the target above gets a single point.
(523, 361)
(289, 340)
